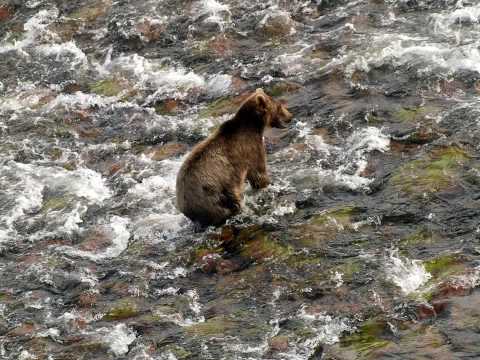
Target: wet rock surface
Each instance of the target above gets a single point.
(365, 246)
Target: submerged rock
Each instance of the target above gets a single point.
(123, 309)
(439, 170)
(324, 227)
(277, 24)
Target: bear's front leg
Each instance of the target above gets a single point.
(258, 180)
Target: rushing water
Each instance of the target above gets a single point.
(365, 246)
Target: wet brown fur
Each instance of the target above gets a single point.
(210, 182)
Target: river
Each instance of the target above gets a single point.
(365, 246)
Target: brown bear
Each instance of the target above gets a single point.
(211, 180)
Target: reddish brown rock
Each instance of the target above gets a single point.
(114, 168)
(278, 344)
(221, 46)
(6, 12)
(87, 299)
(225, 267)
(150, 31)
(166, 151)
(208, 263)
(23, 330)
(96, 240)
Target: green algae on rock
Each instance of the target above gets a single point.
(91, 12)
(445, 265)
(371, 336)
(260, 246)
(282, 88)
(421, 237)
(108, 87)
(223, 106)
(419, 114)
(122, 309)
(326, 226)
(217, 326)
(438, 171)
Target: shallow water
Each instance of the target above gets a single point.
(365, 246)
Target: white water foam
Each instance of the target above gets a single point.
(399, 50)
(409, 275)
(85, 184)
(118, 338)
(35, 29)
(162, 219)
(167, 81)
(215, 11)
(38, 39)
(353, 158)
(118, 230)
(328, 331)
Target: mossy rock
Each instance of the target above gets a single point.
(348, 269)
(414, 115)
(341, 217)
(91, 12)
(374, 119)
(179, 352)
(438, 171)
(282, 88)
(124, 309)
(56, 203)
(108, 87)
(166, 107)
(217, 326)
(445, 265)
(55, 153)
(422, 236)
(370, 337)
(326, 226)
(166, 151)
(258, 245)
(223, 106)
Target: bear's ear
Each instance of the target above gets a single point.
(261, 101)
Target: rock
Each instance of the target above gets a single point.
(371, 336)
(167, 151)
(221, 46)
(258, 245)
(209, 263)
(24, 330)
(6, 12)
(419, 136)
(283, 88)
(66, 29)
(150, 30)
(217, 326)
(123, 309)
(92, 11)
(277, 24)
(168, 106)
(445, 265)
(278, 344)
(420, 237)
(436, 172)
(325, 226)
(87, 299)
(109, 87)
(96, 241)
(416, 115)
(225, 267)
(223, 106)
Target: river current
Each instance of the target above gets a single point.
(365, 246)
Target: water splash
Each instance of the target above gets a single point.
(409, 275)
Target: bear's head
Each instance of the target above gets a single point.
(270, 112)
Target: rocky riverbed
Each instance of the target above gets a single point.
(365, 246)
